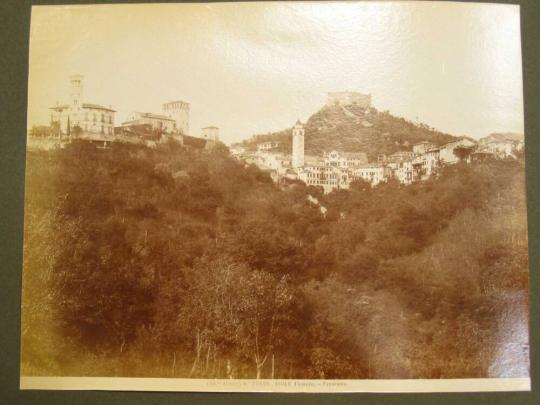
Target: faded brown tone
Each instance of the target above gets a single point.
(256, 67)
(159, 265)
(164, 255)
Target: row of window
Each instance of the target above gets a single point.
(343, 164)
(103, 118)
(94, 117)
(321, 175)
(103, 129)
(371, 173)
(366, 176)
(321, 183)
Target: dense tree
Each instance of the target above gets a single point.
(178, 261)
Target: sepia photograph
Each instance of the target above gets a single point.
(277, 197)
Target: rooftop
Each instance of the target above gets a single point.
(461, 139)
(483, 152)
(500, 141)
(369, 165)
(402, 153)
(509, 136)
(176, 101)
(97, 107)
(343, 92)
(84, 105)
(155, 116)
(317, 164)
(359, 155)
(59, 107)
(313, 158)
(354, 154)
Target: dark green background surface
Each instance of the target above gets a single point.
(14, 26)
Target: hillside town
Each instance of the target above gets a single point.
(334, 169)
(95, 123)
(338, 169)
(271, 196)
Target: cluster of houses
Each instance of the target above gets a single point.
(333, 170)
(337, 170)
(95, 123)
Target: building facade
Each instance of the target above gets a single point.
(423, 147)
(402, 170)
(155, 122)
(327, 177)
(447, 152)
(78, 117)
(264, 146)
(517, 139)
(344, 160)
(373, 173)
(503, 148)
(210, 133)
(272, 160)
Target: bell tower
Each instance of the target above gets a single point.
(298, 145)
(75, 90)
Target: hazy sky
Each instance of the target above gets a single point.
(257, 67)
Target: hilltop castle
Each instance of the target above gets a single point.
(344, 98)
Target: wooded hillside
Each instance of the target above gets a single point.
(175, 262)
(354, 129)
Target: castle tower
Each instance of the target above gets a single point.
(179, 112)
(211, 133)
(75, 90)
(346, 98)
(298, 145)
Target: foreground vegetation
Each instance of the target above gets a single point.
(177, 262)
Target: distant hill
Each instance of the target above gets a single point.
(355, 129)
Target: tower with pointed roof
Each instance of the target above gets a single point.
(298, 145)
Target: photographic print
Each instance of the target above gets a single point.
(275, 196)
